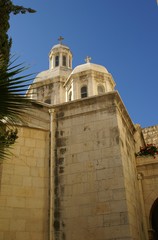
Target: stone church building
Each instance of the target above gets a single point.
(74, 174)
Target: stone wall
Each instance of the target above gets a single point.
(24, 184)
(151, 134)
(99, 191)
(128, 146)
(95, 177)
(148, 170)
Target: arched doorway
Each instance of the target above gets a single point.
(154, 219)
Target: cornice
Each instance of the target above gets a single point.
(110, 100)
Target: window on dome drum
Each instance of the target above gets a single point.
(64, 60)
(69, 62)
(101, 89)
(48, 101)
(70, 96)
(84, 92)
(56, 61)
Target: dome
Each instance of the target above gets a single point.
(59, 46)
(89, 66)
(51, 73)
(43, 76)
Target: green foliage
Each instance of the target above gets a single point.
(6, 8)
(7, 138)
(13, 101)
(148, 150)
(5, 42)
(20, 9)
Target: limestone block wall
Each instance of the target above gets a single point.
(139, 138)
(148, 169)
(24, 187)
(133, 195)
(151, 134)
(91, 195)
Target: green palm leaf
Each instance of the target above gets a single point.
(13, 103)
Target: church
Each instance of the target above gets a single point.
(74, 173)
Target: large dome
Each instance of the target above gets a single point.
(51, 74)
(45, 75)
(89, 66)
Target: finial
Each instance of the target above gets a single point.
(87, 59)
(60, 39)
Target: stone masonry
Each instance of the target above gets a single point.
(25, 184)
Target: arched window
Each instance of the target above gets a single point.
(56, 61)
(70, 96)
(84, 92)
(64, 60)
(101, 89)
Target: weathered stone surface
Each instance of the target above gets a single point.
(24, 187)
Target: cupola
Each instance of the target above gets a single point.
(60, 56)
(48, 85)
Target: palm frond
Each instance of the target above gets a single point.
(13, 103)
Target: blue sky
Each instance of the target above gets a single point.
(121, 35)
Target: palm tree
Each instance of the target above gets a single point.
(6, 9)
(13, 103)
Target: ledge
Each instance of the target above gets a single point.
(146, 160)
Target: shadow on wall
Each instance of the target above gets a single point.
(154, 220)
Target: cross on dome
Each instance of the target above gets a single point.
(87, 59)
(60, 39)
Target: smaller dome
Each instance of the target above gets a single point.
(89, 66)
(59, 46)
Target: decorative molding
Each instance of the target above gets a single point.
(100, 80)
(83, 77)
